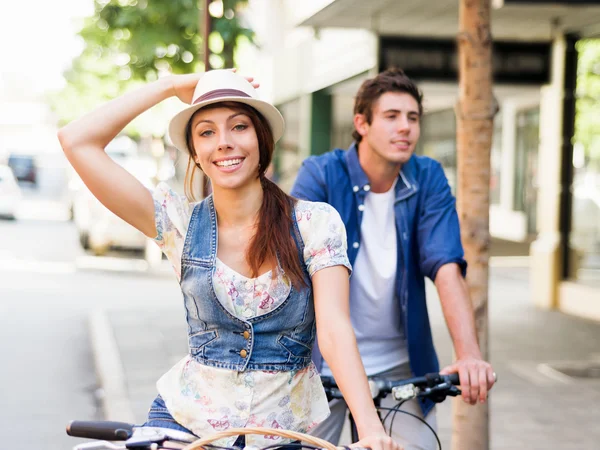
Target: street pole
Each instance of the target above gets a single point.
(205, 24)
(475, 112)
(206, 29)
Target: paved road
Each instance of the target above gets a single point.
(48, 287)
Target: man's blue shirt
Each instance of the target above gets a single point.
(427, 229)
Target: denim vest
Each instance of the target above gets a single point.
(280, 340)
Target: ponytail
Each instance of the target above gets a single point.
(273, 238)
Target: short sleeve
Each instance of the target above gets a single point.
(172, 217)
(324, 236)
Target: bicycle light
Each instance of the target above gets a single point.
(405, 392)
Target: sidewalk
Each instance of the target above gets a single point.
(532, 407)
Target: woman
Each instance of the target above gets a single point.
(249, 258)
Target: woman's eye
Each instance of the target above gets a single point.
(206, 133)
(240, 127)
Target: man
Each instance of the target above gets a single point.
(402, 226)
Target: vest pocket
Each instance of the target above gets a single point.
(294, 347)
(198, 341)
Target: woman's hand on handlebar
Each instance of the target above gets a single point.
(378, 441)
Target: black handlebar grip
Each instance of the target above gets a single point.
(454, 379)
(105, 430)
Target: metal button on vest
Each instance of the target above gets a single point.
(243, 353)
(246, 334)
(361, 207)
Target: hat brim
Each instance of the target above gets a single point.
(178, 124)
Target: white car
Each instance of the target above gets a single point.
(98, 228)
(10, 193)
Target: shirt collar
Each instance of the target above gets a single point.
(360, 181)
(358, 177)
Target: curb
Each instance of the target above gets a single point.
(109, 368)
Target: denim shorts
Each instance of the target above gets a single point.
(159, 416)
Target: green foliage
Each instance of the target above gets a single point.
(230, 29)
(149, 35)
(132, 41)
(587, 125)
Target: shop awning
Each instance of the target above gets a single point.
(513, 19)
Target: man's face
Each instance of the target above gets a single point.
(394, 129)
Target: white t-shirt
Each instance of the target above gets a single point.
(375, 311)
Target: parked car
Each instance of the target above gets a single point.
(10, 193)
(23, 167)
(98, 228)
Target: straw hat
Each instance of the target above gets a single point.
(223, 86)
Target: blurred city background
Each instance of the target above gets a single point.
(70, 270)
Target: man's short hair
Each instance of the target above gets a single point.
(390, 80)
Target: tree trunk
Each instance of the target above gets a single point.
(474, 118)
(227, 54)
(205, 24)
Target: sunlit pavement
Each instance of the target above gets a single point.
(48, 288)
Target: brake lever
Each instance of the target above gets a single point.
(439, 392)
(145, 438)
(454, 391)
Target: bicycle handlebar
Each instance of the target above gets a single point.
(429, 380)
(434, 386)
(96, 429)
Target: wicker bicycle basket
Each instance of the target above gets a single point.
(306, 438)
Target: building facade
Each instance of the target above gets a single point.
(545, 191)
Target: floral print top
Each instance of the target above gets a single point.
(207, 399)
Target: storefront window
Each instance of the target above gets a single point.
(496, 161)
(584, 259)
(342, 125)
(526, 158)
(438, 141)
(585, 228)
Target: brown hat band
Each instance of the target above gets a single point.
(220, 93)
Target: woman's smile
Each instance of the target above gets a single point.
(229, 165)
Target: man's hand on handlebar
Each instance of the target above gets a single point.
(476, 378)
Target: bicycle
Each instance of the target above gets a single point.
(151, 438)
(433, 386)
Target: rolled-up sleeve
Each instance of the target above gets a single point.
(438, 230)
(324, 236)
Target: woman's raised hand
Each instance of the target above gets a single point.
(184, 85)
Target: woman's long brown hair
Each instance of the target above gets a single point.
(273, 239)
